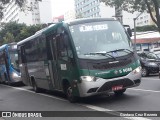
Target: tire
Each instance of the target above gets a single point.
(6, 80)
(35, 88)
(68, 92)
(119, 92)
(145, 72)
(1, 81)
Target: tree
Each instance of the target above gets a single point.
(27, 31)
(9, 29)
(20, 3)
(146, 28)
(8, 38)
(138, 5)
(14, 32)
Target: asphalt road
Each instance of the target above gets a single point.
(145, 97)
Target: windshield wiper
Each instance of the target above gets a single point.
(129, 51)
(101, 53)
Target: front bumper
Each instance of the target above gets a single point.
(105, 85)
(152, 69)
(16, 79)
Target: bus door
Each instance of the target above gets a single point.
(63, 62)
(4, 66)
(23, 66)
(7, 75)
(64, 57)
(53, 68)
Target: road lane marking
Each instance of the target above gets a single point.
(112, 112)
(36, 93)
(2, 118)
(153, 79)
(145, 90)
(109, 111)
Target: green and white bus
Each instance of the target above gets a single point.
(81, 58)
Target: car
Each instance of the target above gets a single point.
(150, 62)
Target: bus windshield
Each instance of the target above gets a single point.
(101, 38)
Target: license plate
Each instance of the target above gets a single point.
(119, 87)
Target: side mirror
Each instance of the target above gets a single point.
(128, 29)
(129, 32)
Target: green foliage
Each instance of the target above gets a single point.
(14, 32)
(146, 28)
(8, 38)
(131, 5)
(27, 31)
(138, 5)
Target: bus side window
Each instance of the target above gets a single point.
(64, 49)
(2, 62)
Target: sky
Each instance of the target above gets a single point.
(59, 7)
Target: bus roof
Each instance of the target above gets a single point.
(29, 38)
(73, 22)
(3, 47)
(6, 45)
(87, 20)
(38, 33)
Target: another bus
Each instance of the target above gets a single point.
(9, 68)
(81, 58)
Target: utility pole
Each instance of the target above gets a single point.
(134, 19)
(118, 13)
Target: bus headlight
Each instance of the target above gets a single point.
(15, 75)
(88, 78)
(137, 70)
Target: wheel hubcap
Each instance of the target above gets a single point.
(143, 72)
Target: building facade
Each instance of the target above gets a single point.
(95, 8)
(87, 8)
(33, 12)
(70, 15)
(145, 19)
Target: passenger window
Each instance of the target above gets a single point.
(152, 56)
(143, 55)
(63, 45)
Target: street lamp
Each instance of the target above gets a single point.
(134, 19)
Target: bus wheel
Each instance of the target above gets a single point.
(119, 92)
(35, 88)
(69, 94)
(6, 79)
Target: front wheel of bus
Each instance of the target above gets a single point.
(70, 95)
(119, 92)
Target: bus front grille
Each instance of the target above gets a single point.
(108, 85)
(107, 65)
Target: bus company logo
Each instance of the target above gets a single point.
(20, 114)
(116, 72)
(6, 114)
